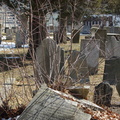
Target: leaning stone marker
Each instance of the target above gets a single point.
(50, 60)
(76, 36)
(103, 94)
(112, 71)
(90, 48)
(78, 67)
(49, 105)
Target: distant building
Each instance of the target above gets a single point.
(7, 18)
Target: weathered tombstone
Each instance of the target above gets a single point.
(90, 48)
(102, 94)
(20, 38)
(49, 104)
(112, 71)
(0, 33)
(101, 34)
(112, 46)
(78, 67)
(6, 29)
(118, 88)
(9, 35)
(85, 29)
(75, 36)
(50, 60)
(58, 37)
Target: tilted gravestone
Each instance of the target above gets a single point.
(49, 104)
(103, 94)
(112, 46)
(112, 71)
(91, 48)
(75, 36)
(78, 67)
(50, 60)
(101, 34)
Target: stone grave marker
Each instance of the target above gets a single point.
(102, 94)
(0, 33)
(48, 104)
(118, 88)
(20, 38)
(101, 34)
(9, 35)
(50, 60)
(90, 48)
(112, 70)
(75, 36)
(112, 46)
(78, 67)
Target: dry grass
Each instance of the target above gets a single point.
(24, 84)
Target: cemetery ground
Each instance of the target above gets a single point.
(17, 81)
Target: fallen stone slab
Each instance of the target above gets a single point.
(49, 104)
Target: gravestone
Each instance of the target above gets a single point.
(90, 48)
(20, 38)
(13, 30)
(118, 88)
(78, 67)
(59, 38)
(75, 36)
(112, 46)
(49, 104)
(112, 71)
(9, 35)
(50, 60)
(102, 94)
(0, 33)
(85, 29)
(101, 34)
(6, 29)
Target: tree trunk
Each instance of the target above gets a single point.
(37, 31)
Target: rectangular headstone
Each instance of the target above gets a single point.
(101, 34)
(50, 60)
(112, 47)
(112, 71)
(9, 34)
(0, 33)
(75, 36)
(78, 67)
(91, 50)
(20, 38)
